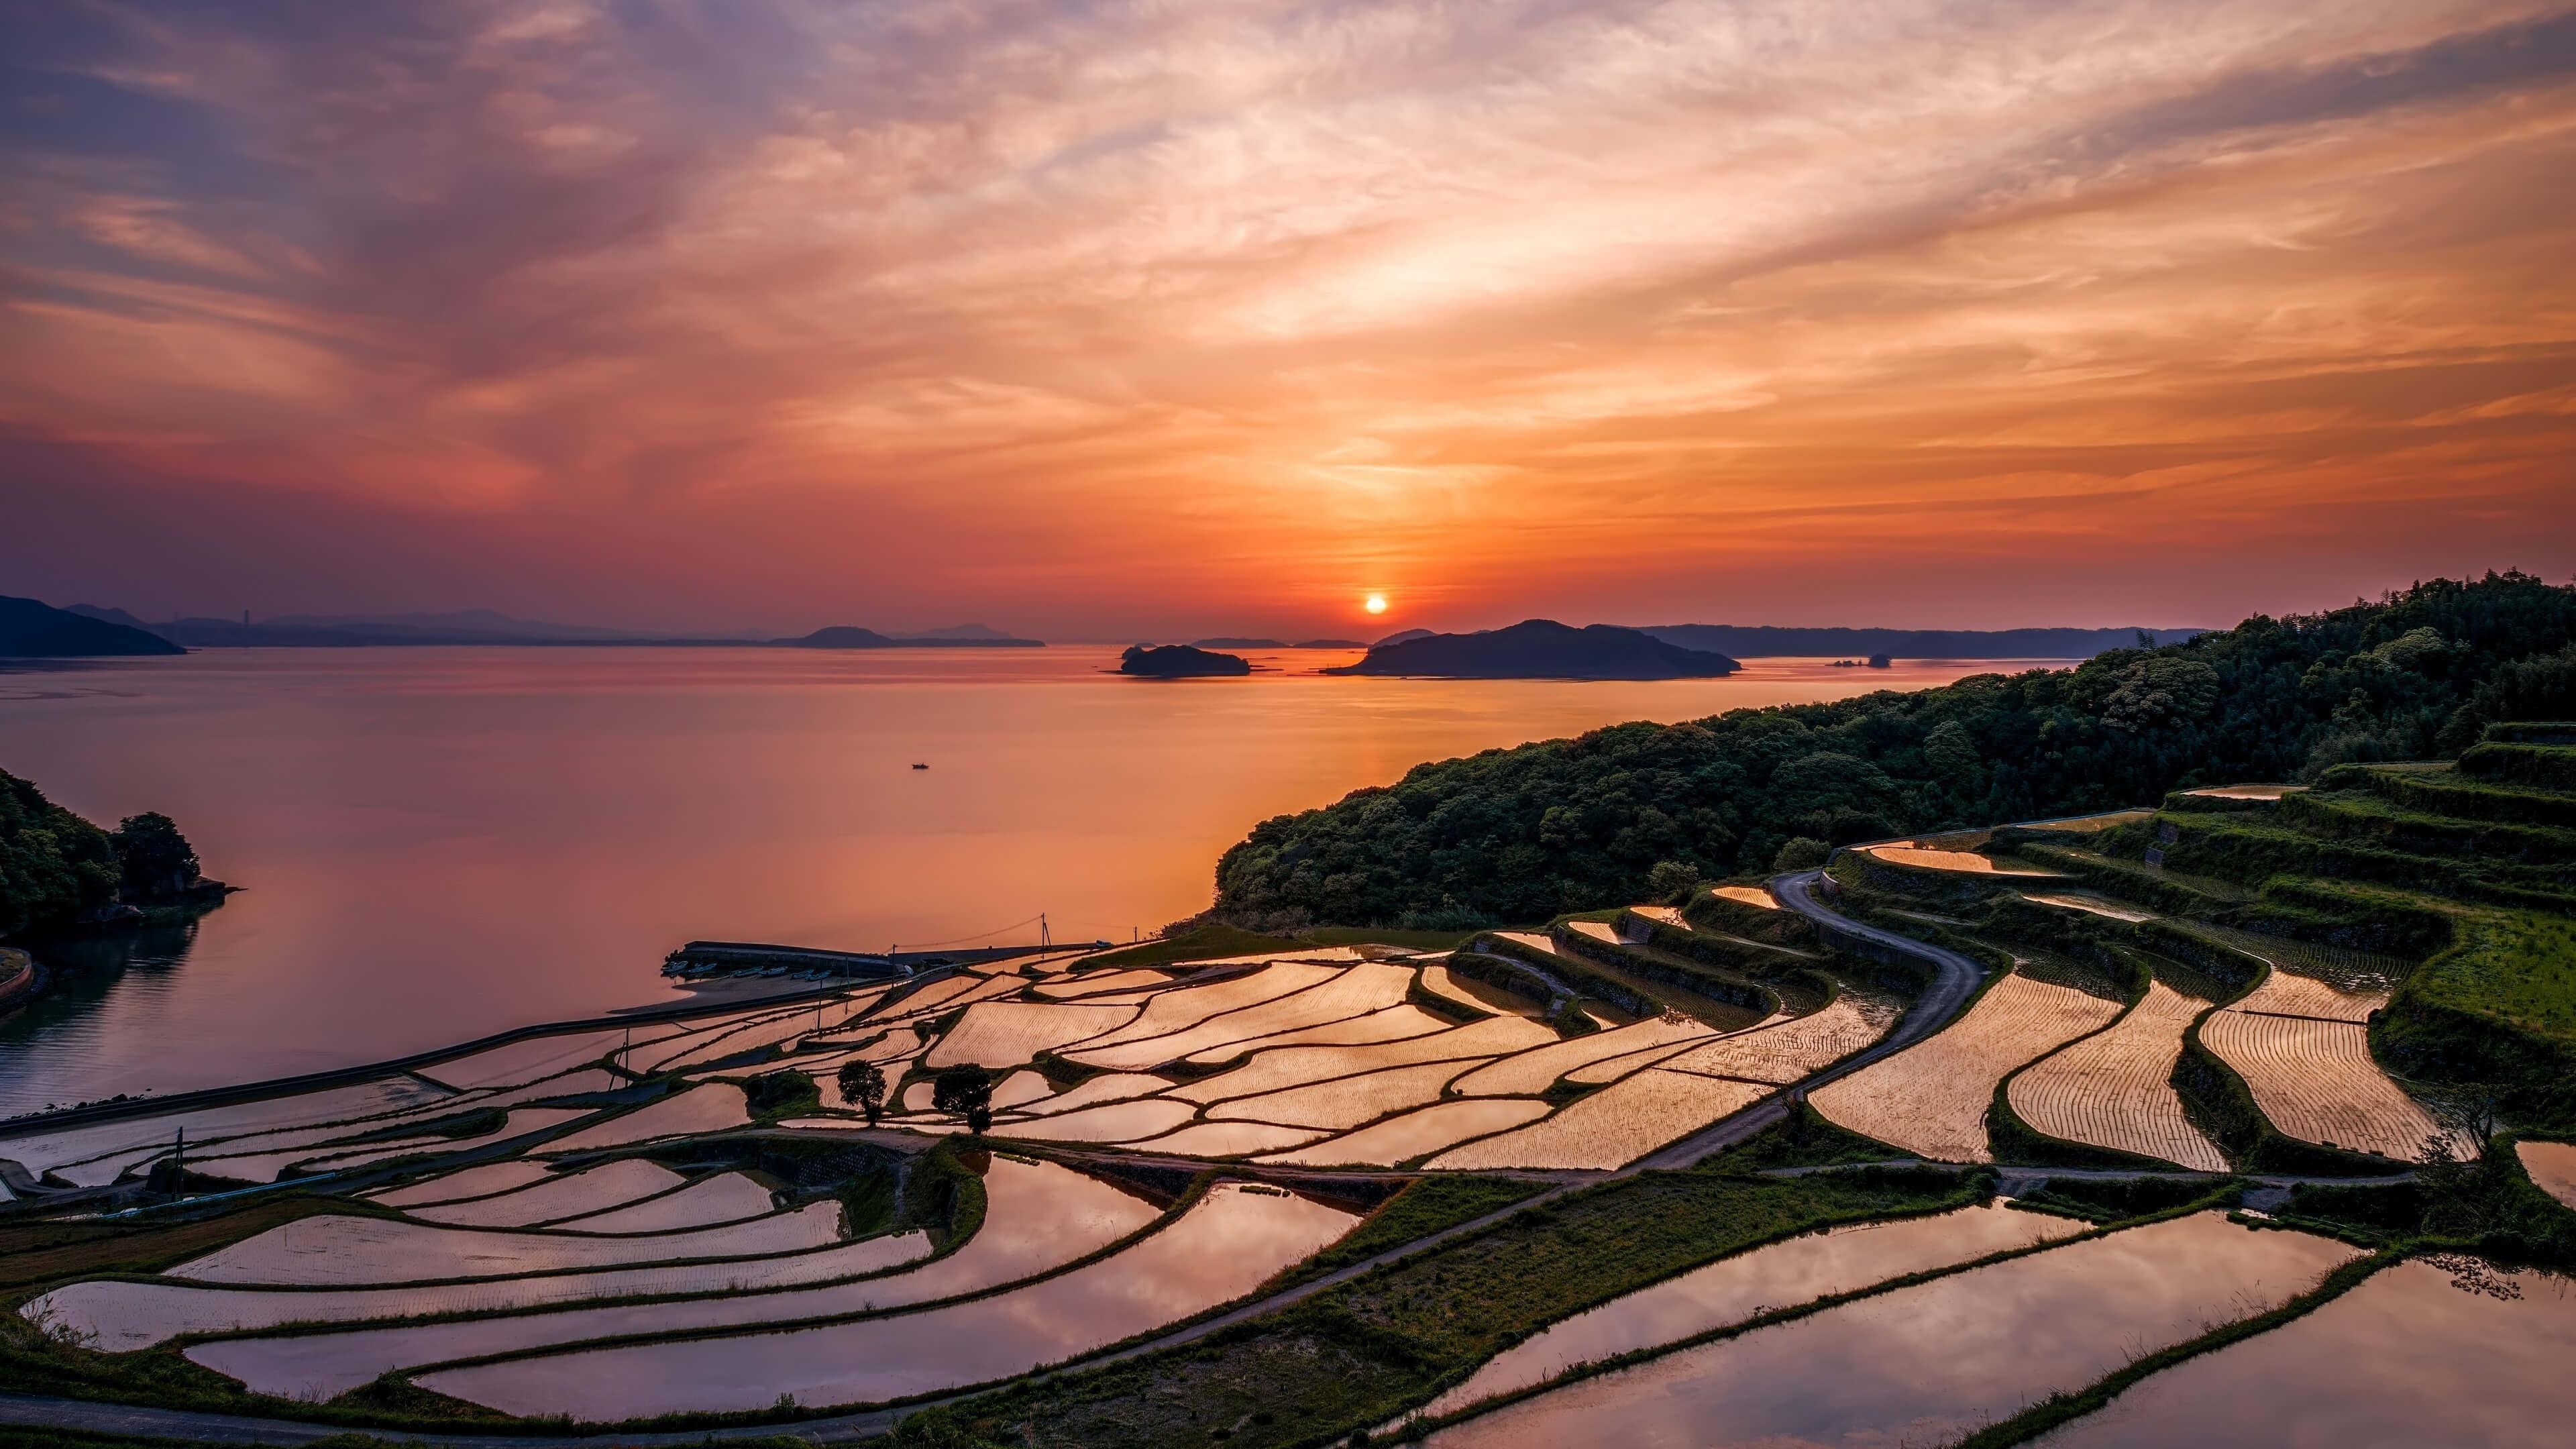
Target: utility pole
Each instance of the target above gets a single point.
(1044, 940)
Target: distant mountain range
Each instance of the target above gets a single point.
(1767, 641)
(487, 627)
(1542, 649)
(32, 629)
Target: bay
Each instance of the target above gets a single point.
(439, 843)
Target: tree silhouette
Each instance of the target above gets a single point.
(865, 1086)
(965, 1091)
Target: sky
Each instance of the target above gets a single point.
(1194, 316)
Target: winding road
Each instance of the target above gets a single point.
(1954, 984)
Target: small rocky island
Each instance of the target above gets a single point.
(1542, 649)
(1179, 661)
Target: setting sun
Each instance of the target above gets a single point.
(1376, 604)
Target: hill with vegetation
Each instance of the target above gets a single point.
(1525, 833)
(1180, 661)
(58, 871)
(1541, 649)
(32, 629)
(1771, 641)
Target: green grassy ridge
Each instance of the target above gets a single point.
(2450, 793)
(2543, 767)
(2370, 818)
(2498, 1009)
(1425, 1206)
(2253, 853)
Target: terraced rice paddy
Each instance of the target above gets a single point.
(1732, 1290)
(1759, 897)
(269, 1167)
(2283, 994)
(1284, 1067)
(1180, 1007)
(1115, 1122)
(1228, 1139)
(2316, 1081)
(1664, 914)
(337, 1251)
(1107, 1087)
(1343, 1102)
(2115, 1089)
(95, 1154)
(1614, 1126)
(2091, 905)
(1597, 930)
(609, 1185)
(1413, 1134)
(1931, 1098)
(1784, 1051)
(1928, 1363)
(1611, 1069)
(490, 1177)
(2551, 1166)
(1533, 1071)
(1959, 861)
(1068, 988)
(1469, 992)
(525, 1061)
(1348, 993)
(1007, 1033)
(711, 1107)
(2246, 792)
(723, 1198)
(1392, 1024)
(1220, 1249)
(1041, 1218)
(2408, 1358)
(2357, 973)
(1534, 940)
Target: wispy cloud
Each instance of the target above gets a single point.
(1149, 309)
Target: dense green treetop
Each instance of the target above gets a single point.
(1525, 833)
(54, 865)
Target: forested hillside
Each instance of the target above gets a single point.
(57, 870)
(1525, 833)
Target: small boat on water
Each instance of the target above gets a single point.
(919, 766)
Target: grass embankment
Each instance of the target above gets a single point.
(1425, 1206)
(1362, 1352)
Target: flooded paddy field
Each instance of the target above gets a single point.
(2447, 1351)
(1933, 1361)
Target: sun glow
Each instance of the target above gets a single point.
(1376, 604)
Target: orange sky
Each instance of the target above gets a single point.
(1135, 319)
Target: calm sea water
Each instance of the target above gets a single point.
(440, 843)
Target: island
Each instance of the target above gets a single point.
(850, 636)
(1179, 661)
(33, 629)
(1542, 649)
